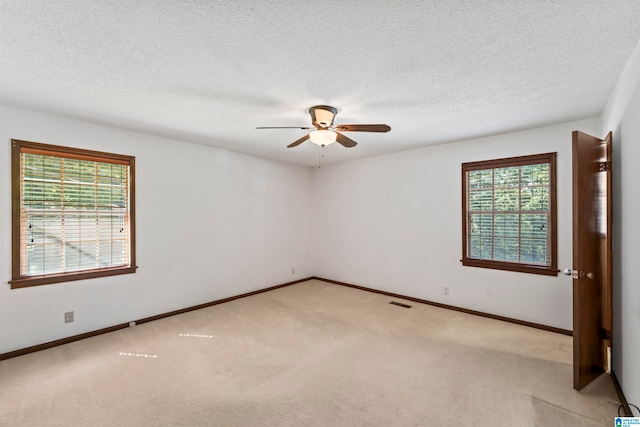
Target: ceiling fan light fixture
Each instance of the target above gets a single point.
(323, 137)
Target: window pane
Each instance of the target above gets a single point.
(535, 250)
(506, 177)
(480, 200)
(481, 247)
(534, 226)
(535, 198)
(506, 225)
(506, 199)
(506, 249)
(480, 179)
(481, 224)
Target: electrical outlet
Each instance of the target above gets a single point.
(445, 290)
(68, 317)
(293, 271)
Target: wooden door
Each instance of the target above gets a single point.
(592, 247)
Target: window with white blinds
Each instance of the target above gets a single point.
(72, 214)
(509, 214)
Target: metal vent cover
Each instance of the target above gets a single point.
(399, 304)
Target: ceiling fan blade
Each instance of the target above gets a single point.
(282, 127)
(298, 142)
(346, 142)
(363, 128)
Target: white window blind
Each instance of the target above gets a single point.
(74, 213)
(509, 214)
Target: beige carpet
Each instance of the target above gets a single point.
(311, 354)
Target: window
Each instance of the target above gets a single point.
(73, 214)
(509, 214)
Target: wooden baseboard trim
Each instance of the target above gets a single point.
(50, 344)
(623, 400)
(452, 307)
(79, 337)
(216, 302)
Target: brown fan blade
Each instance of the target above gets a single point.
(298, 142)
(363, 128)
(282, 127)
(346, 142)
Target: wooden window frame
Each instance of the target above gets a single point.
(550, 270)
(17, 148)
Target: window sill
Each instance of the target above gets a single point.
(25, 282)
(509, 266)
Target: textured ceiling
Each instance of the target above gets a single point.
(211, 71)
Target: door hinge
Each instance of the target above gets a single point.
(604, 166)
(605, 334)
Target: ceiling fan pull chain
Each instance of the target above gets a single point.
(320, 155)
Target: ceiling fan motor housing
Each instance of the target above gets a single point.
(322, 116)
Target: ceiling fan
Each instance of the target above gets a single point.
(325, 132)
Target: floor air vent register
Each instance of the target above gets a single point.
(399, 304)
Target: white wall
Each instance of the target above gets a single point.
(210, 224)
(393, 223)
(622, 116)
